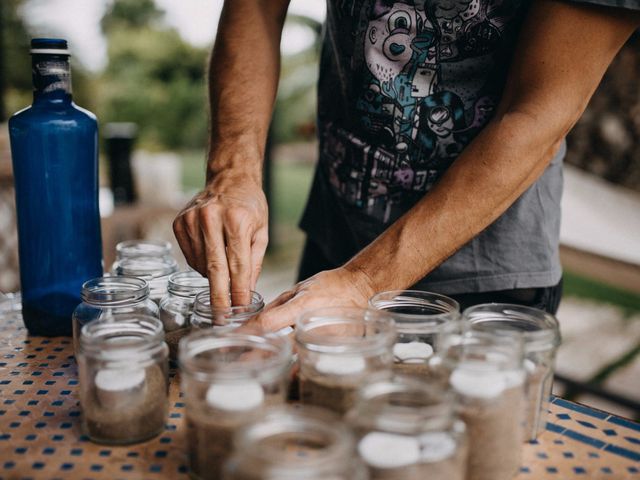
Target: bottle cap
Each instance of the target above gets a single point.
(50, 46)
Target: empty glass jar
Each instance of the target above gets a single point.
(486, 373)
(204, 316)
(177, 306)
(142, 248)
(541, 335)
(228, 379)
(155, 270)
(421, 317)
(122, 368)
(106, 297)
(407, 429)
(338, 347)
(11, 308)
(291, 443)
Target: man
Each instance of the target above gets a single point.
(441, 127)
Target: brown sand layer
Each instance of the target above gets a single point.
(144, 420)
(495, 430)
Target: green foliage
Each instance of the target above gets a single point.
(295, 112)
(16, 68)
(155, 79)
(17, 62)
(130, 14)
(579, 286)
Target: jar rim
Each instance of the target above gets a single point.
(501, 352)
(540, 330)
(379, 330)
(187, 283)
(122, 338)
(287, 419)
(202, 307)
(192, 346)
(114, 290)
(137, 248)
(147, 267)
(431, 405)
(446, 309)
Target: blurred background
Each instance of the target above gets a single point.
(140, 66)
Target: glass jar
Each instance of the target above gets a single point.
(338, 347)
(228, 379)
(123, 376)
(204, 316)
(407, 429)
(177, 306)
(155, 270)
(291, 443)
(142, 248)
(541, 335)
(106, 297)
(486, 373)
(421, 317)
(11, 308)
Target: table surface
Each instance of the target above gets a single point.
(40, 434)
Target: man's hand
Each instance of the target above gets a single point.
(223, 230)
(223, 233)
(332, 288)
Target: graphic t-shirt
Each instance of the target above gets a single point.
(404, 86)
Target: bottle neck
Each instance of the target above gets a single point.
(51, 76)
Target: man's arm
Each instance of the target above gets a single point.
(223, 230)
(563, 52)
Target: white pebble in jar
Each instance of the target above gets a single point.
(389, 450)
(471, 380)
(340, 365)
(412, 352)
(235, 396)
(436, 446)
(120, 388)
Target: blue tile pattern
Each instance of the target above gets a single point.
(40, 428)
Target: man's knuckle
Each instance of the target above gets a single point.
(177, 225)
(215, 264)
(237, 265)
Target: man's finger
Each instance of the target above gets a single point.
(277, 318)
(216, 262)
(184, 241)
(258, 249)
(198, 262)
(238, 241)
(279, 300)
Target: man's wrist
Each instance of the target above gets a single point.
(239, 161)
(361, 279)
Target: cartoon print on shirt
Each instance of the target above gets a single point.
(400, 58)
(412, 126)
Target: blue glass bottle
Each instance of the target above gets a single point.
(54, 148)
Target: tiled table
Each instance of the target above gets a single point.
(40, 436)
